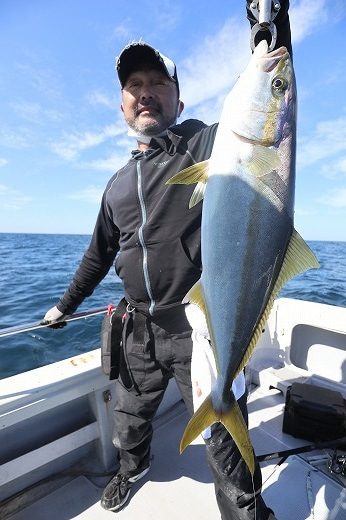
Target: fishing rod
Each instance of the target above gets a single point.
(335, 443)
(17, 329)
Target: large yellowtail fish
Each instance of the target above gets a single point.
(250, 248)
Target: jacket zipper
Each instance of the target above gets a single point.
(141, 239)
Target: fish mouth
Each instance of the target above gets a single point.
(267, 61)
(273, 59)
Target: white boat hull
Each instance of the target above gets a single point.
(59, 419)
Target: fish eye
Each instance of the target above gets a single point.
(279, 84)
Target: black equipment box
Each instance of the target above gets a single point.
(314, 413)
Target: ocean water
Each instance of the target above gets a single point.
(35, 270)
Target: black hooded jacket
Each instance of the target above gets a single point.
(147, 226)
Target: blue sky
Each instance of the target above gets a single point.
(62, 134)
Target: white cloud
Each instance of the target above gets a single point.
(92, 194)
(305, 16)
(165, 14)
(335, 198)
(11, 199)
(16, 140)
(110, 164)
(122, 32)
(35, 113)
(215, 63)
(100, 97)
(334, 76)
(43, 80)
(334, 169)
(3, 162)
(303, 212)
(72, 144)
(116, 159)
(328, 139)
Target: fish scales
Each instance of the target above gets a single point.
(257, 253)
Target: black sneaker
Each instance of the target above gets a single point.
(118, 489)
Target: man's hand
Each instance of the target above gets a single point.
(55, 317)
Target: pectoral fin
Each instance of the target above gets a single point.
(197, 173)
(263, 161)
(198, 194)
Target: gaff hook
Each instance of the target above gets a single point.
(264, 12)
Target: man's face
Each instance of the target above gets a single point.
(150, 101)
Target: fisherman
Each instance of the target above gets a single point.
(147, 228)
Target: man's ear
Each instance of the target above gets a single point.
(121, 107)
(180, 107)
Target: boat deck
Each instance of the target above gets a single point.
(56, 425)
(180, 486)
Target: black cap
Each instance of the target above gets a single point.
(140, 52)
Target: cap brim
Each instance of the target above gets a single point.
(139, 52)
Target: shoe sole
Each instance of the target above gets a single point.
(140, 475)
(132, 480)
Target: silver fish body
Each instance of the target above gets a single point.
(249, 245)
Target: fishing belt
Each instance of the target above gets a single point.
(113, 352)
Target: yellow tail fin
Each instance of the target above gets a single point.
(233, 421)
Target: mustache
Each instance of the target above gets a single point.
(146, 103)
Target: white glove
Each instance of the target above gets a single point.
(54, 315)
(197, 320)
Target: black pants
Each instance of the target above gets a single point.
(165, 352)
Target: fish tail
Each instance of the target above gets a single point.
(233, 421)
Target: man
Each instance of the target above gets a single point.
(156, 238)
